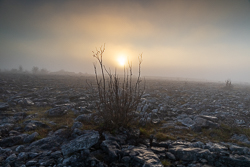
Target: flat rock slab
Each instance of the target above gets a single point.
(144, 157)
(11, 141)
(84, 141)
(4, 106)
(190, 154)
(242, 138)
(235, 160)
(208, 117)
(112, 148)
(58, 111)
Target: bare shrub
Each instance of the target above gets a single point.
(118, 96)
(35, 70)
(228, 84)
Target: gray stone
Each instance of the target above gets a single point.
(155, 110)
(191, 154)
(204, 161)
(32, 125)
(31, 163)
(14, 133)
(215, 147)
(84, 118)
(239, 150)
(197, 144)
(158, 150)
(235, 160)
(4, 106)
(93, 162)
(77, 132)
(211, 118)
(133, 133)
(242, 138)
(30, 138)
(126, 159)
(46, 143)
(33, 154)
(27, 101)
(66, 161)
(145, 107)
(11, 141)
(55, 112)
(60, 132)
(112, 148)
(240, 122)
(84, 110)
(84, 141)
(144, 120)
(22, 156)
(77, 125)
(156, 120)
(56, 154)
(6, 126)
(180, 143)
(187, 121)
(72, 161)
(47, 162)
(11, 158)
(185, 154)
(161, 155)
(120, 139)
(5, 151)
(170, 156)
(144, 157)
(203, 123)
(20, 148)
(162, 144)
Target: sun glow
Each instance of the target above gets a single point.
(121, 60)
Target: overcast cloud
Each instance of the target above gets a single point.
(206, 39)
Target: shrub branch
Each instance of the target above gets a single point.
(118, 98)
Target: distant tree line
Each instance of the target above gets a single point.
(35, 70)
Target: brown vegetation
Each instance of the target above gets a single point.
(118, 97)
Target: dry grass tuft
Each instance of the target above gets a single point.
(224, 133)
(64, 120)
(166, 163)
(145, 133)
(163, 137)
(41, 131)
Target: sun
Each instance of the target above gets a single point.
(121, 60)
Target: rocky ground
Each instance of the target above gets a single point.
(45, 121)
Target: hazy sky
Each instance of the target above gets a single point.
(206, 39)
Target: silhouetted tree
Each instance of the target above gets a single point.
(35, 70)
(20, 69)
(44, 71)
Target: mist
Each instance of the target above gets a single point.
(185, 39)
